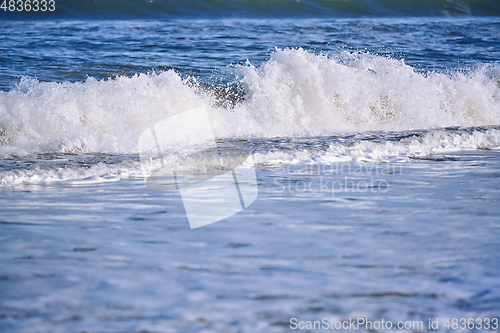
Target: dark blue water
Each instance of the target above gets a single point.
(72, 50)
(171, 9)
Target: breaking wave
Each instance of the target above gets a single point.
(293, 94)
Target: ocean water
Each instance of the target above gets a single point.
(374, 128)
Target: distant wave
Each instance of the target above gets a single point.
(293, 94)
(168, 9)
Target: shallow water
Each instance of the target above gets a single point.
(119, 257)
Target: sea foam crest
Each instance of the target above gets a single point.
(295, 93)
(384, 150)
(433, 142)
(91, 116)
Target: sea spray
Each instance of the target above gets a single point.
(293, 94)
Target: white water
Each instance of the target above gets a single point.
(385, 150)
(295, 93)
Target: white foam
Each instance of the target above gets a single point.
(72, 175)
(93, 116)
(295, 93)
(433, 142)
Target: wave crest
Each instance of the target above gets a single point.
(294, 94)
